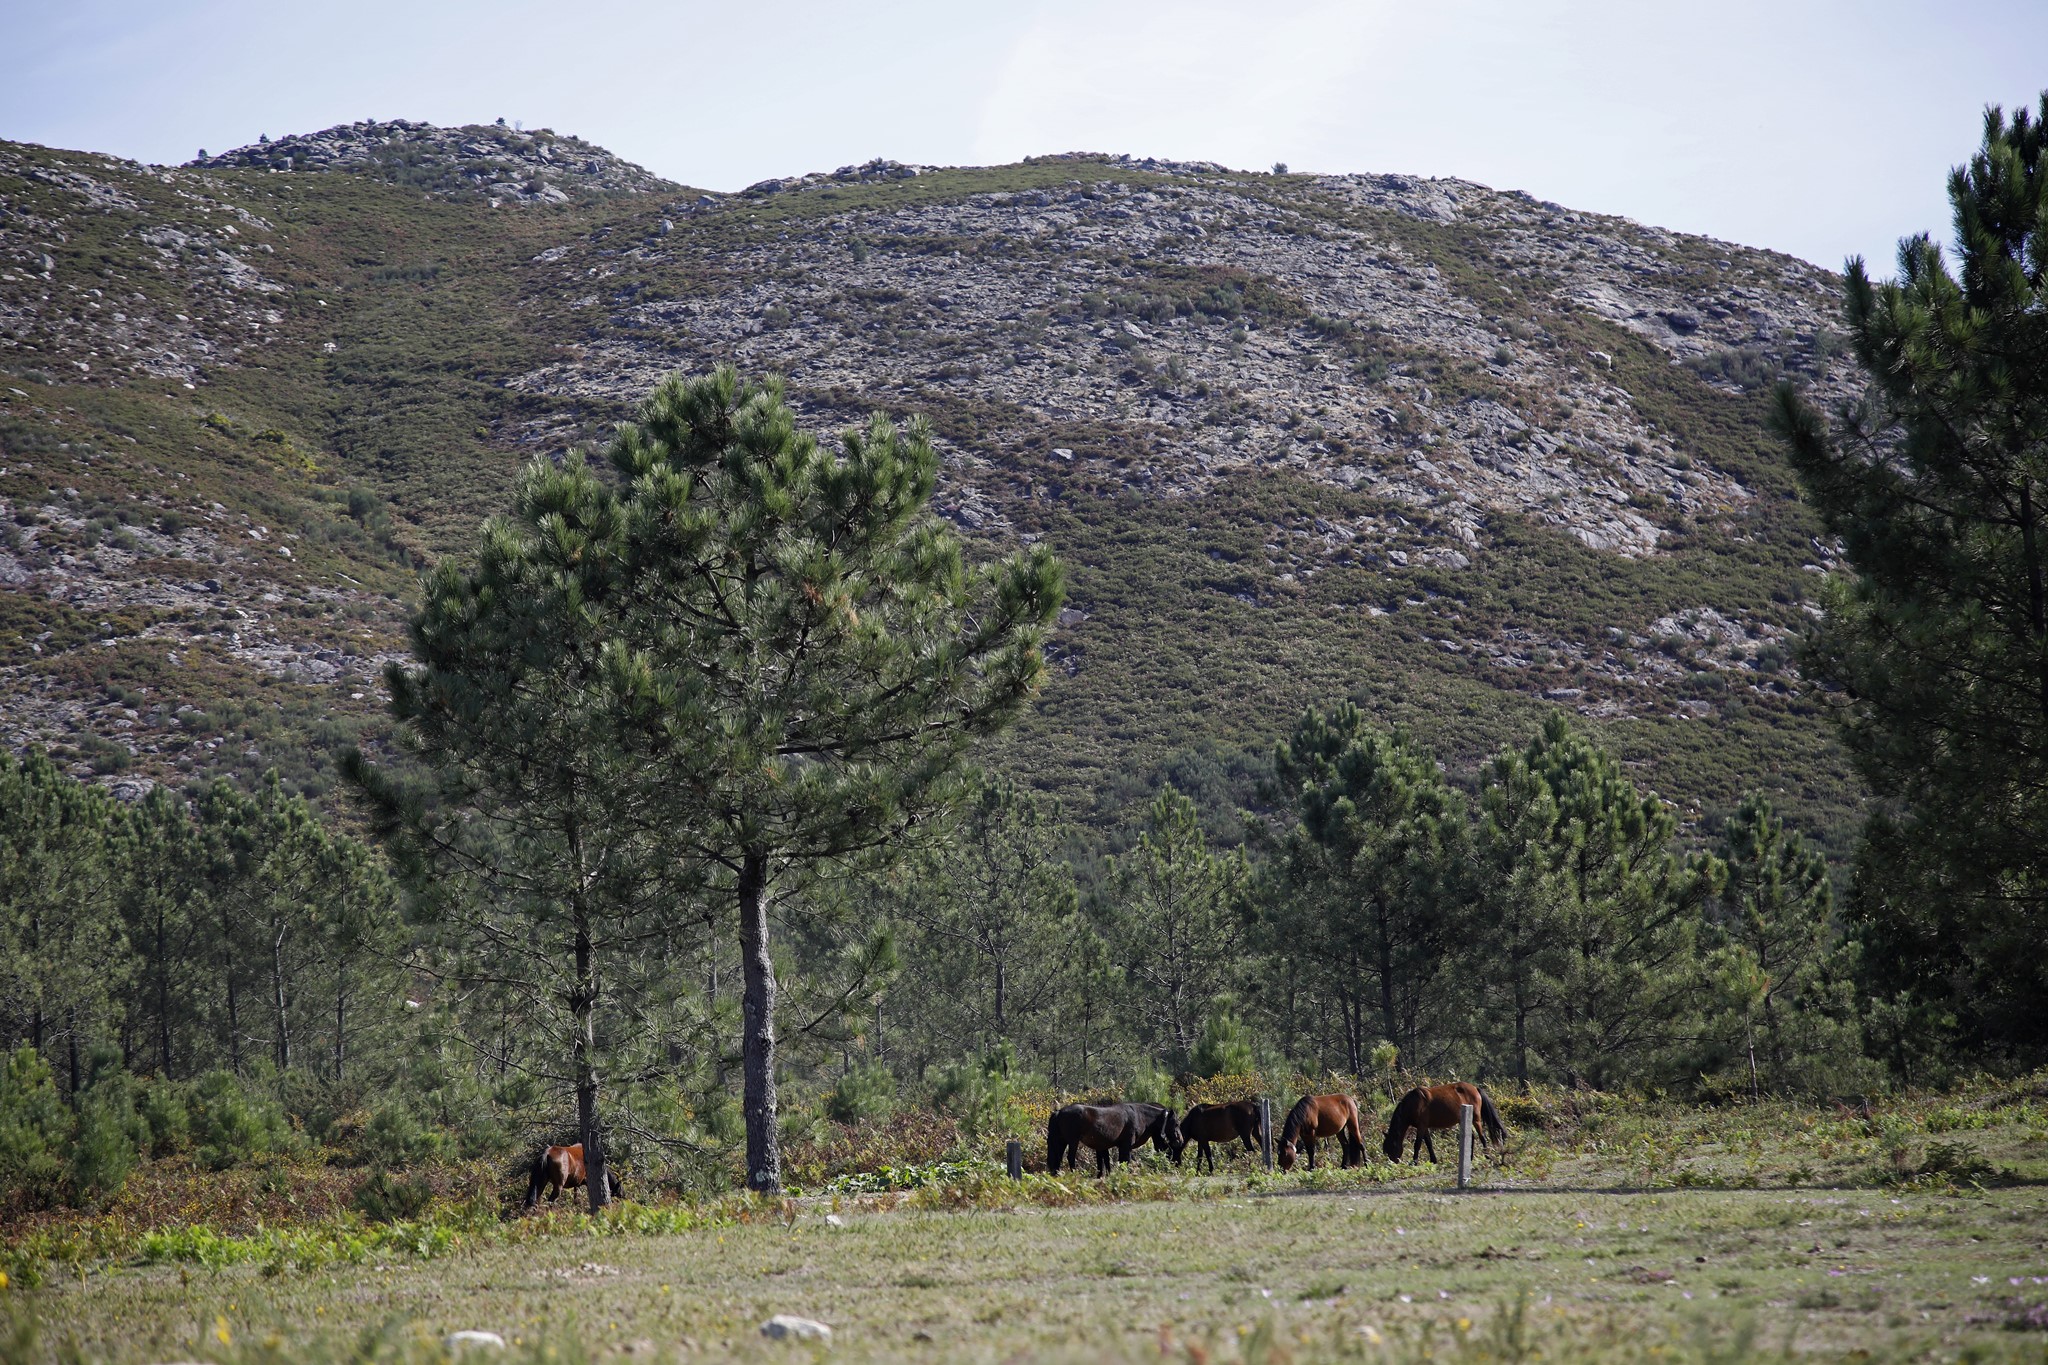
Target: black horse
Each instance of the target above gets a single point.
(1207, 1123)
(1123, 1127)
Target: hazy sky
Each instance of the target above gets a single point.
(1819, 127)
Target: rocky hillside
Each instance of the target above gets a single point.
(1461, 454)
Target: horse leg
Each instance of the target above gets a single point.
(1430, 1138)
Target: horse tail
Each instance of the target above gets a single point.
(1496, 1131)
(1351, 1137)
(1053, 1145)
(537, 1176)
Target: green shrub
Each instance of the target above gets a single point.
(866, 1092)
(1150, 1084)
(979, 1094)
(231, 1126)
(103, 1151)
(394, 1137)
(34, 1128)
(383, 1199)
(1225, 1047)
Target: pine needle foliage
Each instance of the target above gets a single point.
(1939, 637)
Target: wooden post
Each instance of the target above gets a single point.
(1266, 1131)
(1464, 1145)
(1016, 1156)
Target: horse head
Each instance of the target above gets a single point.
(1175, 1141)
(1397, 1129)
(1286, 1156)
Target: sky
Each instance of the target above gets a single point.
(1823, 128)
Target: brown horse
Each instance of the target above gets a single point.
(1118, 1127)
(1437, 1107)
(1321, 1116)
(561, 1168)
(1207, 1123)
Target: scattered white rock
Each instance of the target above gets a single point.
(787, 1327)
(456, 1341)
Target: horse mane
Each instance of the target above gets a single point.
(1295, 1118)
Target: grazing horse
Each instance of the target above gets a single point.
(1123, 1127)
(561, 1168)
(1207, 1123)
(1437, 1107)
(1321, 1116)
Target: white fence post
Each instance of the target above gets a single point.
(1464, 1145)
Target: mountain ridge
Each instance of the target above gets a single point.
(1460, 453)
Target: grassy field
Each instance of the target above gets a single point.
(1622, 1232)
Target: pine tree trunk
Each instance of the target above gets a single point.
(583, 1008)
(227, 941)
(163, 998)
(340, 1035)
(2037, 593)
(757, 1023)
(1521, 1034)
(1390, 1019)
(279, 1004)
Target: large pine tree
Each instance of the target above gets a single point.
(1936, 484)
(819, 653)
(749, 658)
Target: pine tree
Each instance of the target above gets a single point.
(994, 915)
(751, 659)
(62, 953)
(1372, 914)
(163, 887)
(1939, 638)
(1520, 896)
(1629, 984)
(530, 846)
(1174, 919)
(1777, 914)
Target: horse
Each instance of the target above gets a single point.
(1437, 1107)
(1207, 1123)
(1122, 1126)
(561, 1168)
(1321, 1116)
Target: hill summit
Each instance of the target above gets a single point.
(486, 160)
